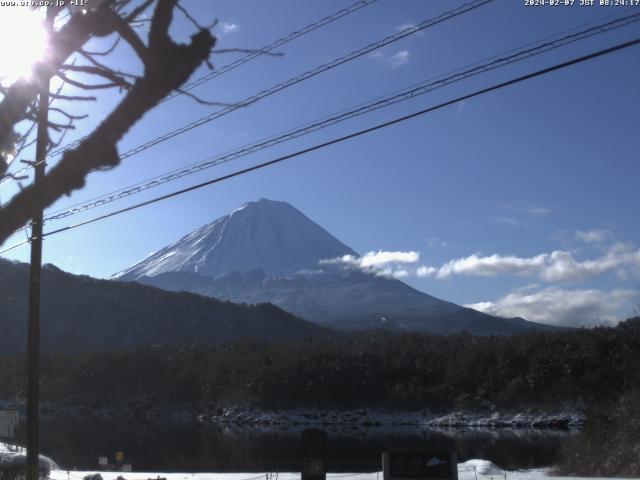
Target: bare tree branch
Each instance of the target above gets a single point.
(138, 10)
(63, 43)
(73, 98)
(54, 144)
(102, 71)
(167, 67)
(193, 21)
(67, 114)
(202, 101)
(25, 142)
(115, 81)
(103, 53)
(102, 66)
(130, 36)
(58, 127)
(94, 86)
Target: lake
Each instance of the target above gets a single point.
(198, 447)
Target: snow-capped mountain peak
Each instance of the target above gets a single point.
(265, 235)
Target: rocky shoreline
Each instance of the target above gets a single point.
(388, 417)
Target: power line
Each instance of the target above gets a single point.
(310, 74)
(16, 245)
(350, 136)
(430, 85)
(302, 77)
(272, 46)
(250, 56)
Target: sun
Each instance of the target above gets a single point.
(23, 41)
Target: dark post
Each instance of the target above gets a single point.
(33, 345)
(314, 453)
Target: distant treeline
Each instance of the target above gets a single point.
(409, 371)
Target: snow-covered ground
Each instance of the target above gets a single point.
(469, 470)
(12, 456)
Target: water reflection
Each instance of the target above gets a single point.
(196, 447)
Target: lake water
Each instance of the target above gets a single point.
(197, 447)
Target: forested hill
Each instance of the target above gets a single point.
(81, 314)
(410, 371)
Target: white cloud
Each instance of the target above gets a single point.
(399, 58)
(375, 259)
(395, 60)
(228, 28)
(620, 259)
(513, 221)
(575, 308)
(424, 271)
(490, 266)
(537, 211)
(557, 266)
(532, 211)
(436, 242)
(517, 212)
(593, 236)
(381, 262)
(382, 258)
(402, 273)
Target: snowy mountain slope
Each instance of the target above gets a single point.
(268, 251)
(270, 236)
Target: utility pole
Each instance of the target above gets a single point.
(33, 345)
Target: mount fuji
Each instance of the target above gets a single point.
(268, 251)
(267, 236)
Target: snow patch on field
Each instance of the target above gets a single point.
(12, 457)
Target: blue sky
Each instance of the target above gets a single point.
(519, 202)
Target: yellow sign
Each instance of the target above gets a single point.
(119, 456)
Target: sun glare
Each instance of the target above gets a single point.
(23, 40)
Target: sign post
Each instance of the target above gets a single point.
(119, 459)
(8, 424)
(314, 453)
